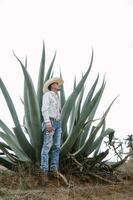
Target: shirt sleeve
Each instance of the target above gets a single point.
(45, 108)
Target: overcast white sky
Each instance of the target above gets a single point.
(72, 27)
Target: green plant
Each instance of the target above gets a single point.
(79, 137)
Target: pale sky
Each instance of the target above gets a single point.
(72, 27)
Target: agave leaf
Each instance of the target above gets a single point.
(65, 131)
(25, 145)
(91, 117)
(73, 119)
(67, 108)
(24, 117)
(79, 127)
(5, 151)
(62, 102)
(21, 156)
(98, 94)
(76, 118)
(41, 77)
(9, 132)
(99, 145)
(72, 114)
(34, 113)
(50, 68)
(6, 146)
(85, 114)
(90, 120)
(28, 120)
(52, 73)
(78, 105)
(87, 130)
(9, 103)
(21, 100)
(11, 139)
(99, 140)
(90, 141)
(90, 94)
(86, 149)
(75, 83)
(4, 161)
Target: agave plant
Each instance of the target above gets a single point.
(79, 137)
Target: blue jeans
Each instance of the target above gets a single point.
(51, 148)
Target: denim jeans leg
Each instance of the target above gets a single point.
(55, 151)
(47, 144)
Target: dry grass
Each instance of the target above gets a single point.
(77, 192)
(13, 187)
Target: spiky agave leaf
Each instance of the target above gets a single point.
(66, 147)
(25, 145)
(72, 114)
(76, 117)
(6, 152)
(34, 112)
(15, 148)
(65, 129)
(4, 161)
(6, 146)
(50, 68)
(92, 114)
(41, 77)
(27, 117)
(9, 132)
(99, 145)
(99, 140)
(89, 146)
(81, 139)
(72, 98)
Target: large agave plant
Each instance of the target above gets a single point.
(79, 137)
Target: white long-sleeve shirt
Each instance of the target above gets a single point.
(50, 106)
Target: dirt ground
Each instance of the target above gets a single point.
(13, 187)
(77, 192)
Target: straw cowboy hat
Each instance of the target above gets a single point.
(51, 81)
